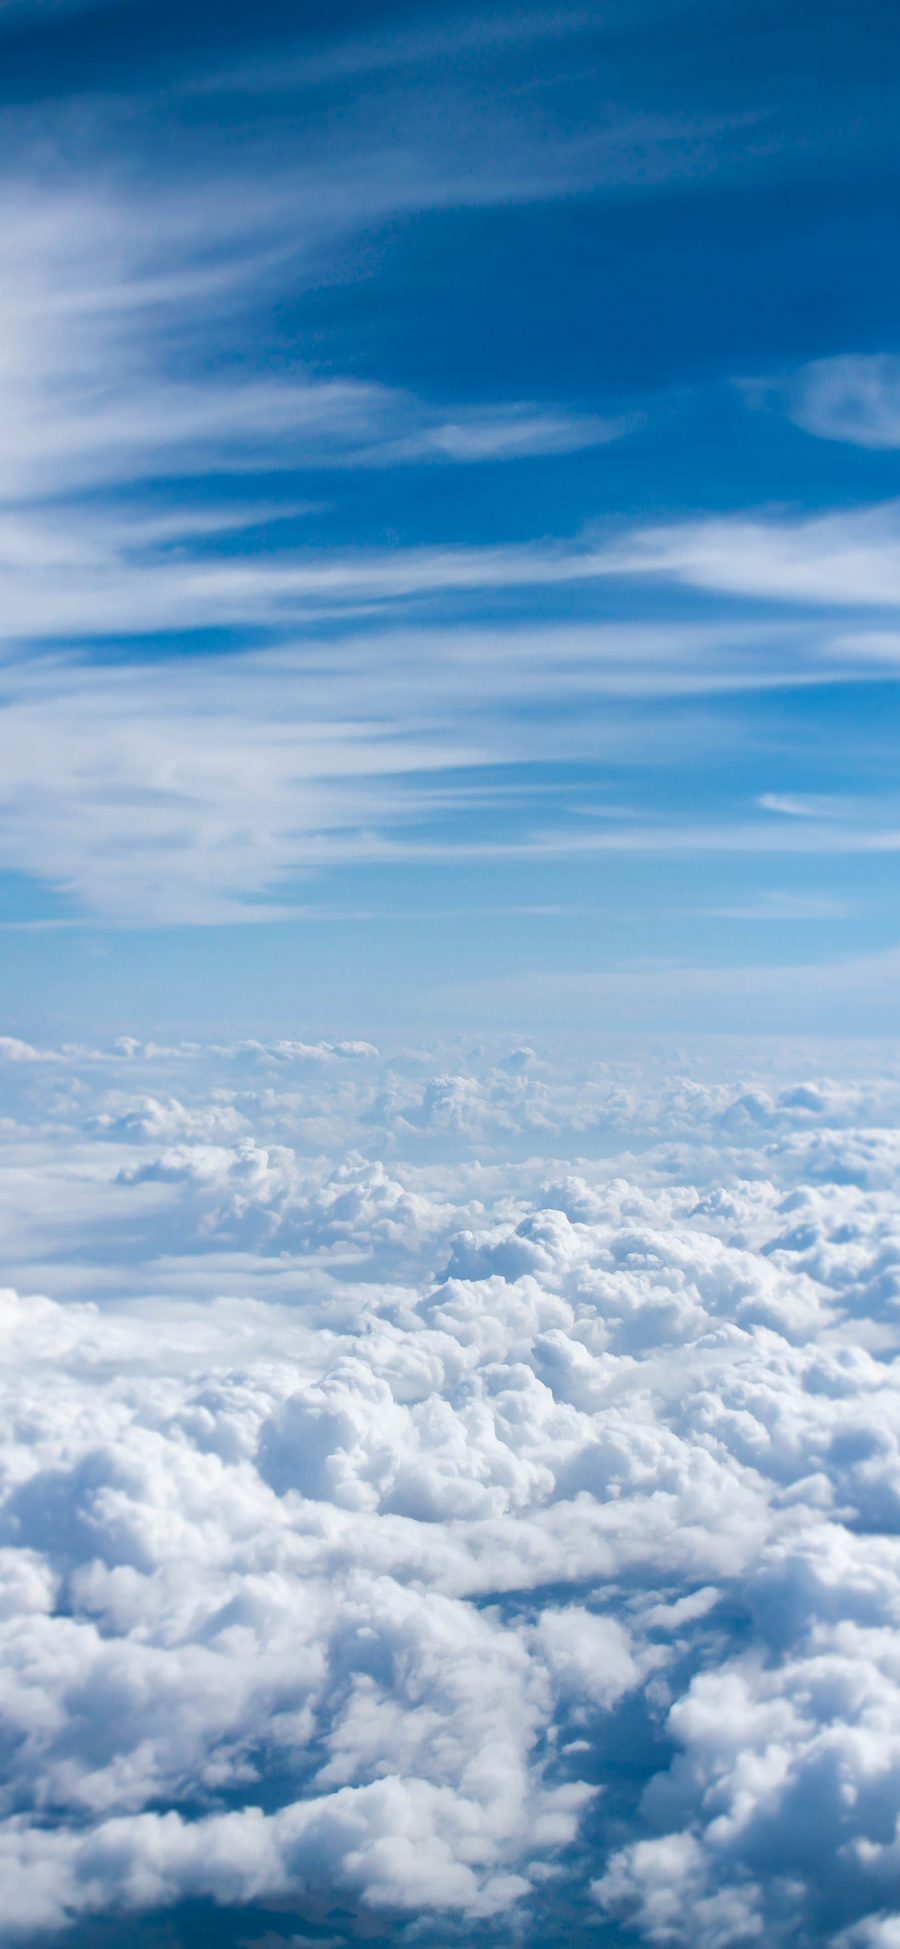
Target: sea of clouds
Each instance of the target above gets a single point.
(450, 1495)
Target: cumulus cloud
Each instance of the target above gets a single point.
(345, 1554)
(345, 1586)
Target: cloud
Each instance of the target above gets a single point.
(203, 789)
(144, 791)
(129, 312)
(855, 398)
(165, 1121)
(136, 342)
(193, 790)
(103, 303)
(518, 432)
(836, 560)
(503, 1467)
(781, 906)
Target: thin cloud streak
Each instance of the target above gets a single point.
(847, 559)
(102, 579)
(156, 793)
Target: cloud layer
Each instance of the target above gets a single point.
(366, 1494)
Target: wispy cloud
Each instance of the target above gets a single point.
(854, 398)
(788, 907)
(144, 391)
(353, 57)
(845, 559)
(804, 805)
(197, 789)
(110, 311)
(123, 571)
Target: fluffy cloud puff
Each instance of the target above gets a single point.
(533, 1539)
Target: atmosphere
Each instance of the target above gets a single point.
(448, 534)
(449, 975)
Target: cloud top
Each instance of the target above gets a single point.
(341, 1557)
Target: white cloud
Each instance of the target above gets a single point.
(192, 790)
(473, 1457)
(123, 322)
(845, 559)
(198, 789)
(782, 906)
(854, 398)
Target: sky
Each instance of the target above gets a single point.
(449, 975)
(448, 518)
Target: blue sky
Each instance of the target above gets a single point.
(448, 518)
(449, 955)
